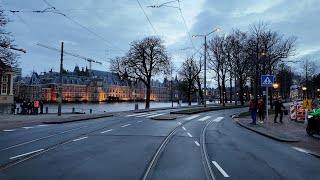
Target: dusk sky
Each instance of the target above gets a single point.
(121, 22)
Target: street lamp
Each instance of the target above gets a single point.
(205, 62)
(304, 89)
(276, 86)
(318, 90)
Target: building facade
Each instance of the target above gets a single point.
(93, 86)
(6, 87)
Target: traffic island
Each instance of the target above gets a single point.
(200, 110)
(77, 118)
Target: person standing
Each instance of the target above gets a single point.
(261, 110)
(253, 111)
(35, 107)
(277, 107)
(41, 107)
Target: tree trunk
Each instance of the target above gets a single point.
(148, 93)
(189, 94)
(241, 83)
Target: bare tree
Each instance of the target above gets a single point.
(145, 59)
(8, 59)
(189, 74)
(309, 69)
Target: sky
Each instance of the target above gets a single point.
(114, 25)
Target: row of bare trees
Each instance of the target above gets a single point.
(242, 57)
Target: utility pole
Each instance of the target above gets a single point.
(171, 88)
(205, 73)
(60, 85)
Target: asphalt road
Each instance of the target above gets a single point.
(135, 147)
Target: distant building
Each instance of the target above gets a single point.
(18, 72)
(84, 86)
(6, 86)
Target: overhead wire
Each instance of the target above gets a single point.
(59, 12)
(147, 17)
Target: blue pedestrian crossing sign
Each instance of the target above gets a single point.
(267, 80)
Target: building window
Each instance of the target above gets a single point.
(4, 98)
(4, 90)
(4, 79)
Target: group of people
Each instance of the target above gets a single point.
(261, 108)
(31, 107)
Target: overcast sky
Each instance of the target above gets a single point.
(123, 21)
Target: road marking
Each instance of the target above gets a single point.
(80, 139)
(220, 169)
(43, 125)
(218, 119)
(301, 150)
(106, 131)
(197, 143)
(189, 134)
(146, 115)
(14, 157)
(28, 127)
(204, 118)
(155, 115)
(135, 114)
(192, 117)
(139, 121)
(9, 130)
(179, 122)
(184, 128)
(126, 125)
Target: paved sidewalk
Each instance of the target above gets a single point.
(288, 131)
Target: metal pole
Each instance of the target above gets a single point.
(267, 108)
(60, 85)
(205, 72)
(171, 89)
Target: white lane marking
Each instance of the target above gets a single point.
(28, 127)
(197, 143)
(14, 157)
(218, 119)
(189, 134)
(139, 121)
(149, 114)
(220, 169)
(43, 125)
(135, 114)
(126, 125)
(192, 117)
(179, 122)
(184, 128)
(80, 139)
(155, 115)
(301, 150)
(106, 131)
(204, 118)
(9, 130)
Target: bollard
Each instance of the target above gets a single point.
(47, 110)
(136, 106)
(90, 111)
(73, 110)
(17, 111)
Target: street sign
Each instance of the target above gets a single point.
(267, 80)
(307, 104)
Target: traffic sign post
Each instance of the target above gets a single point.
(267, 81)
(307, 104)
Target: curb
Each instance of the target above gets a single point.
(268, 135)
(75, 120)
(163, 118)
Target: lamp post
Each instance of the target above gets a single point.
(205, 64)
(304, 89)
(318, 90)
(276, 86)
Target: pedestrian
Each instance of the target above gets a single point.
(253, 111)
(35, 107)
(41, 107)
(24, 108)
(261, 110)
(277, 108)
(13, 108)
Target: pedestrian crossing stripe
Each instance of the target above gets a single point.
(267, 81)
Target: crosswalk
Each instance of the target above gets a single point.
(196, 117)
(145, 115)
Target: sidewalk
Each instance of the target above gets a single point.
(289, 131)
